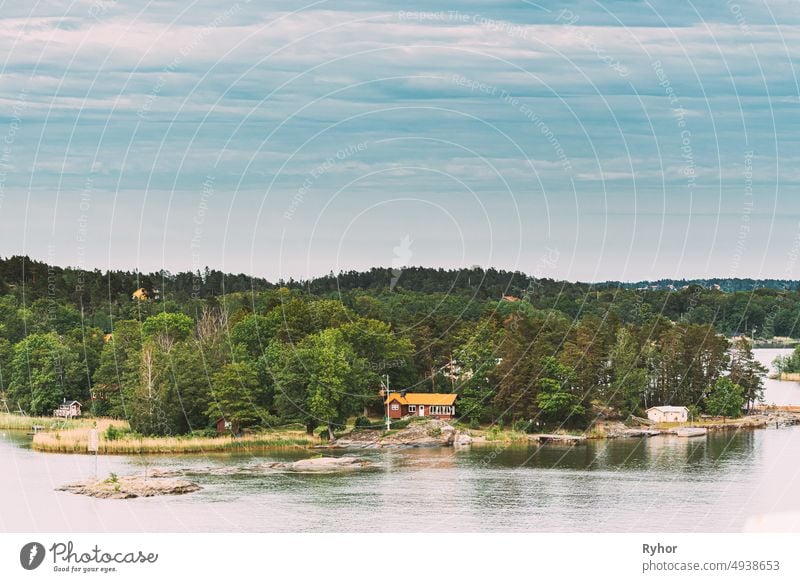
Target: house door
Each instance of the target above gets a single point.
(421, 410)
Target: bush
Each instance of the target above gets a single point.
(363, 422)
(205, 432)
(474, 424)
(522, 425)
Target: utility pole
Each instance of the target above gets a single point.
(387, 391)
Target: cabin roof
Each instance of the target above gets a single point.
(424, 399)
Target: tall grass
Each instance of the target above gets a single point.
(76, 441)
(19, 422)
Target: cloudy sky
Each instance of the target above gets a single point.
(580, 140)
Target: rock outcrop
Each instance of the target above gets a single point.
(321, 465)
(313, 465)
(426, 432)
(130, 486)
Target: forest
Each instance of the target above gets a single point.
(191, 348)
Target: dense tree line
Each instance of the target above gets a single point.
(219, 346)
(760, 309)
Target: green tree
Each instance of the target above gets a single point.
(747, 372)
(6, 356)
(254, 332)
(167, 328)
(237, 395)
(476, 359)
(556, 399)
(12, 324)
(44, 371)
(379, 352)
(319, 382)
(629, 377)
(726, 399)
(117, 373)
(789, 364)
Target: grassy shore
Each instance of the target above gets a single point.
(19, 422)
(77, 440)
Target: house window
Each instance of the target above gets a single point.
(412, 408)
(395, 407)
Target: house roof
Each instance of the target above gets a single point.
(424, 399)
(668, 408)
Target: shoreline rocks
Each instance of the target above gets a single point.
(312, 465)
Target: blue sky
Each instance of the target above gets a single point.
(623, 140)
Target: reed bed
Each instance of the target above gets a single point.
(19, 422)
(76, 441)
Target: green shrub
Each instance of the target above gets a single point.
(113, 433)
(474, 424)
(363, 422)
(522, 425)
(204, 432)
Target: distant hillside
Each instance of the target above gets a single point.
(726, 285)
(95, 285)
(766, 307)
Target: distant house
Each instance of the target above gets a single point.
(141, 294)
(416, 404)
(227, 427)
(68, 409)
(668, 413)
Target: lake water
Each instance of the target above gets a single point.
(714, 484)
(776, 391)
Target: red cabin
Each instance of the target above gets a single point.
(417, 404)
(227, 427)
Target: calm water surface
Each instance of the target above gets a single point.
(777, 392)
(658, 484)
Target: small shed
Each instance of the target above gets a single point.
(68, 409)
(225, 426)
(668, 413)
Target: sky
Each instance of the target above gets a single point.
(622, 140)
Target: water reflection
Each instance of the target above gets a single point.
(717, 482)
(665, 453)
